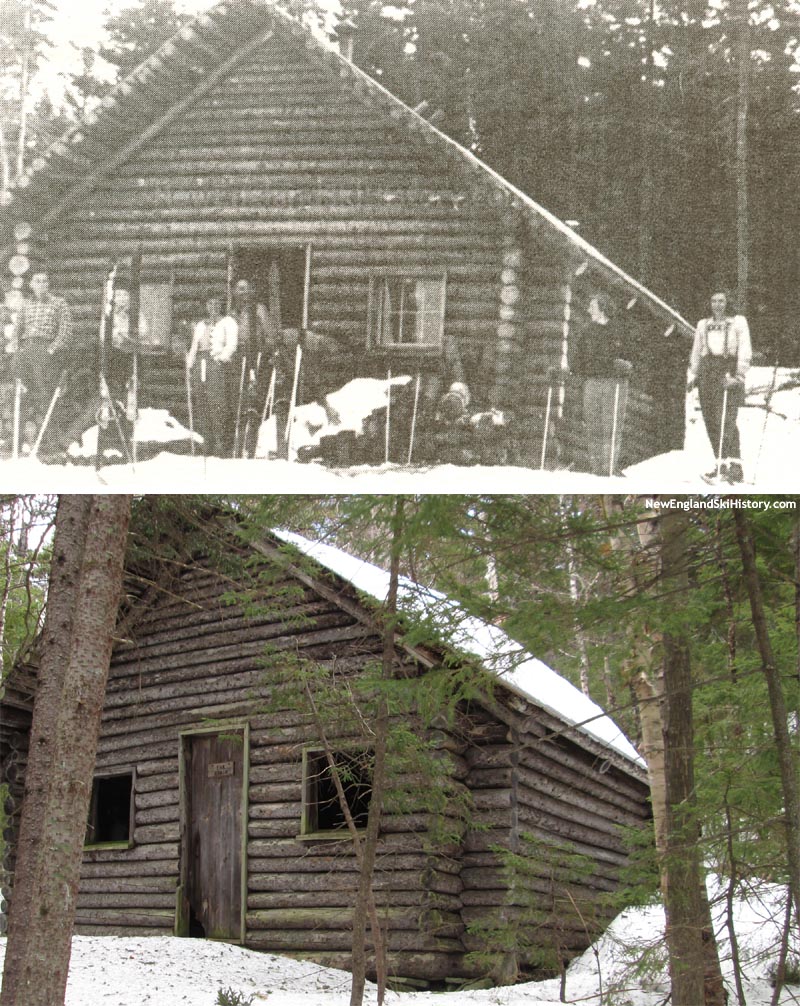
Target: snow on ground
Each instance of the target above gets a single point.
(767, 450)
(167, 971)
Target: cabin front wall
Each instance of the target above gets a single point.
(191, 712)
(285, 156)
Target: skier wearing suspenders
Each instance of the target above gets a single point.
(719, 363)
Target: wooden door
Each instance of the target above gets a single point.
(214, 769)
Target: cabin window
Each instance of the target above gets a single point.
(407, 311)
(322, 807)
(111, 810)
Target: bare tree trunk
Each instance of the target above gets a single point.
(580, 635)
(681, 876)
(647, 190)
(742, 18)
(777, 701)
(24, 83)
(75, 652)
(796, 549)
(370, 846)
(5, 591)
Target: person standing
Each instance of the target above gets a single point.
(43, 330)
(214, 344)
(718, 366)
(599, 361)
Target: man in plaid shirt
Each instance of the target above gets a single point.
(43, 328)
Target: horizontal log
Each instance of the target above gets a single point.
(134, 885)
(93, 899)
(433, 966)
(86, 929)
(156, 833)
(156, 815)
(164, 781)
(414, 898)
(445, 924)
(297, 940)
(123, 918)
(139, 853)
(160, 798)
(130, 868)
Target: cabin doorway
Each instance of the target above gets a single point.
(280, 280)
(213, 868)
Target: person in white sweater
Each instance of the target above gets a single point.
(214, 344)
(718, 366)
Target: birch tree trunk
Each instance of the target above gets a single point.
(75, 652)
(661, 677)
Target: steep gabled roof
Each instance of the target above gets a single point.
(517, 671)
(189, 65)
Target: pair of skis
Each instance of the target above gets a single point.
(107, 411)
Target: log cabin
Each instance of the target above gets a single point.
(247, 147)
(213, 811)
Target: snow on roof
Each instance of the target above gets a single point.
(517, 669)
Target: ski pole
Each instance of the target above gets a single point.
(16, 419)
(413, 419)
(269, 401)
(298, 358)
(614, 430)
(56, 395)
(239, 408)
(252, 386)
(189, 405)
(546, 423)
(388, 415)
(722, 428)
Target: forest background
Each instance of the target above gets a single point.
(681, 619)
(665, 131)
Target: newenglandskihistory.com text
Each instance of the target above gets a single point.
(719, 503)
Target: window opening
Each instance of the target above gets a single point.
(407, 310)
(110, 810)
(323, 809)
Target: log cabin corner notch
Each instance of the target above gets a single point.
(246, 134)
(232, 833)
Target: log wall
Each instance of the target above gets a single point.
(279, 154)
(189, 659)
(194, 659)
(530, 781)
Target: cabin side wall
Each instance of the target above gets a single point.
(545, 799)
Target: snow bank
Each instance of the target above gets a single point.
(167, 971)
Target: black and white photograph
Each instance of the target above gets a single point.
(518, 245)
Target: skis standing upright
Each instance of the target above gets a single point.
(132, 403)
(106, 411)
